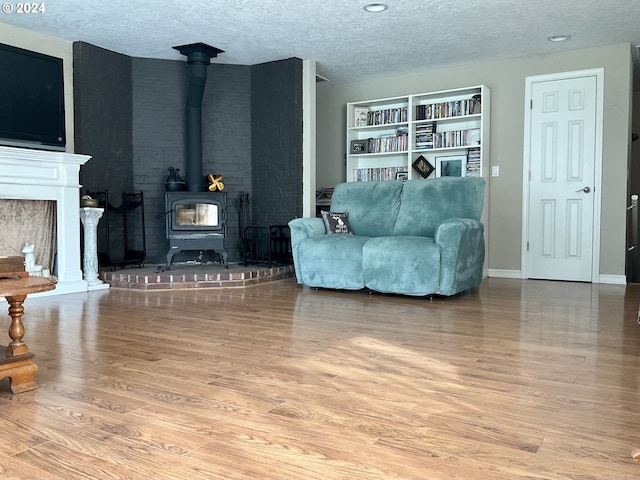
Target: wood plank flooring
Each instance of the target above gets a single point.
(513, 380)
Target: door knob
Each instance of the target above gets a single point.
(586, 189)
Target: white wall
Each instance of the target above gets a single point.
(506, 80)
(37, 42)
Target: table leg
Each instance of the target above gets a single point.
(16, 329)
(18, 361)
(21, 372)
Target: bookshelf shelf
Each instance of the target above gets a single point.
(443, 149)
(387, 136)
(452, 119)
(380, 127)
(379, 154)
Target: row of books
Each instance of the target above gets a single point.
(363, 117)
(473, 163)
(377, 174)
(425, 139)
(456, 138)
(390, 143)
(456, 108)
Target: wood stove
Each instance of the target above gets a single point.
(196, 221)
(195, 218)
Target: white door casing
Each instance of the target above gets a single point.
(562, 172)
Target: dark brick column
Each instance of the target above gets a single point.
(102, 111)
(276, 143)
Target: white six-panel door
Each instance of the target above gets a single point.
(561, 179)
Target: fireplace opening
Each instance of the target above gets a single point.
(31, 222)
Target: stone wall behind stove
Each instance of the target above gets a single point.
(230, 137)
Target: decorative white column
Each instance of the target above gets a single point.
(90, 217)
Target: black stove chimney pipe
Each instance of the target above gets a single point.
(198, 59)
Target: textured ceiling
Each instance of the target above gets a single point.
(348, 43)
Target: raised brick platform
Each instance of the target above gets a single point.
(195, 276)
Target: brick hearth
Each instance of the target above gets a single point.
(195, 276)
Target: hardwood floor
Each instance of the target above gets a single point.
(514, 380)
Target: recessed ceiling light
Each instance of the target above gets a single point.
(558, 38)
(375, 7)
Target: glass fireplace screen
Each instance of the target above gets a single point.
(197, 215)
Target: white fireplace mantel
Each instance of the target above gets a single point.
(27, 174)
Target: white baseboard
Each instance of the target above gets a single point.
(498, 273)
(63, 288)
(613, 279)
(608, 279)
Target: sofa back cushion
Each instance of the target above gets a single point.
(372, 206)
(426, 203)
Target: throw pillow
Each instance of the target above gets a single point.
(336, 222)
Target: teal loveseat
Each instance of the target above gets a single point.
(417, 237)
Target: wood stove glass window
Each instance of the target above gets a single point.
(197, 215)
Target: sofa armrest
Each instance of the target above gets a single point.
(301, 229)
(462, 252)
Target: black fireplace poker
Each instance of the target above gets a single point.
(198, 59)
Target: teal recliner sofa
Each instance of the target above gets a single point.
(417, 237)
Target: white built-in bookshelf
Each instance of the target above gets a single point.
(406, 137)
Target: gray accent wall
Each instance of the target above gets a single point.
(226, 139)
(131, 119)
(159, 89)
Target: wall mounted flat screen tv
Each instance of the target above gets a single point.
(31, 99)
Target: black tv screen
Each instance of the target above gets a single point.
(31, 99)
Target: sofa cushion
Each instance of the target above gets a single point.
(372, 206)
(336, 222)
(426, 203)
(409, 265)
(332, 261)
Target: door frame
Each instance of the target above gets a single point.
(597, 187)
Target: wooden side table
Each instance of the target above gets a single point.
(18, 362)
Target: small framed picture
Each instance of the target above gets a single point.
(402, 176)
(451, 166)
(423, 167)
(360, 115)
(359, 146)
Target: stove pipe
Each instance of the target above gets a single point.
(198, 59)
